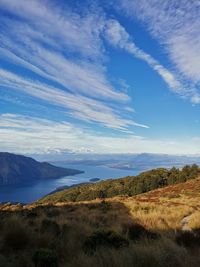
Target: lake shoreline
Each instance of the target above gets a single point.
(28, 193)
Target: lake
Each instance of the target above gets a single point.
(30, 193)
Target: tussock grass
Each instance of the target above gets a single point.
(119, 232)
(157, 216)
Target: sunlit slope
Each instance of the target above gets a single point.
(167, 207)
(128, 186)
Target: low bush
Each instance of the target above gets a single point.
(188, 239)
(136, 231)
(4, 262)
(16, 236)
(52, 212)
(31, 214)
(104, 238)
(105, 206)
(45, 258)
(49, 226)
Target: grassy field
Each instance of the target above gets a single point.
(143, 230)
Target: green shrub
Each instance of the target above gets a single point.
(102, 194)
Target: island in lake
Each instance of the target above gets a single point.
(94, 179)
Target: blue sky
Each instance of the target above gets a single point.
(100, 76)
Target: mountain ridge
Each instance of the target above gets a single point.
(17, 169)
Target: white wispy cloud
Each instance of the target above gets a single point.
(79, 106)
(50, 136)
(119, 37)
(176, 25)
(77, 74)
(65, 53)
(49, 23)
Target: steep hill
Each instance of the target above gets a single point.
(131, 185)
(16, 169)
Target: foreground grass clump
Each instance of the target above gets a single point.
(137, 231)
(130, 186)
(51, 227)
(16, 236)
(45, 258)
(190, 239)
(104, 238)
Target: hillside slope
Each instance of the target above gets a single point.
(155, 229)
(131, 185)
(16, 169)
(172, 207)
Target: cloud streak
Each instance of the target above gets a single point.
(59, 27)
(79, 106)
(63, 56)
(176, 26)
(76, 75)
(118, 36)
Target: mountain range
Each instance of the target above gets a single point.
(141, 162)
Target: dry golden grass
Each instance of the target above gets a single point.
(194, 221)
(157, 216)
(164, 208)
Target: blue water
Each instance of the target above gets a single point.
(30, 193)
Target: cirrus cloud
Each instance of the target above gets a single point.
(62, 54)
(176, 25)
